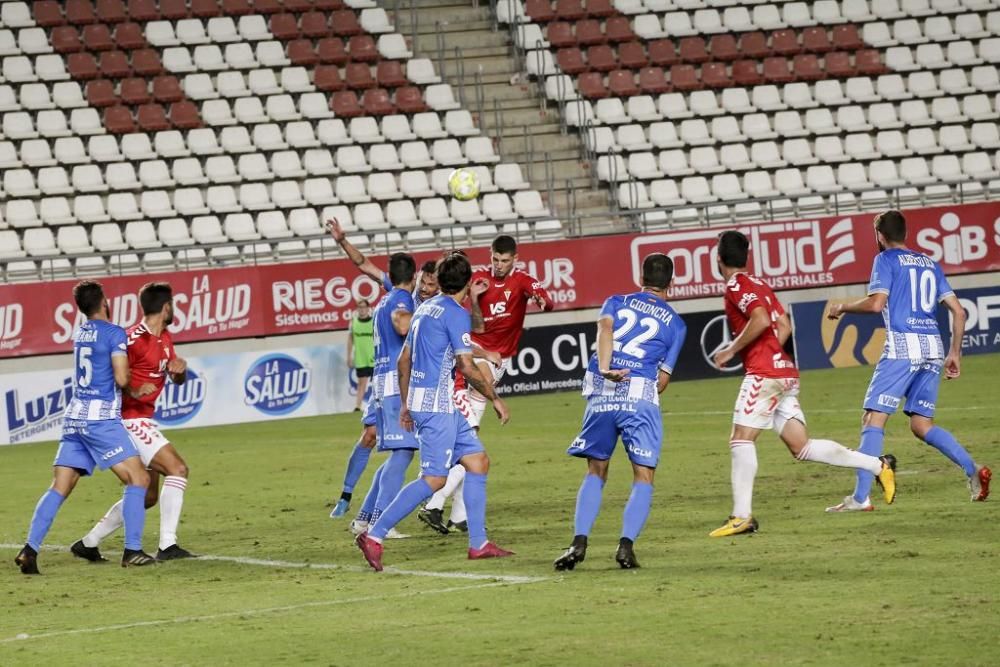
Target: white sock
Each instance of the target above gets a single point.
(458, 514)
(171, 501)
(108, 524)
(455, 477)
(835, 454)
(744, 456)
(477, 408)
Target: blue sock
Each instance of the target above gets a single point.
(474, 494)
(368, 507)
(945, 442)
(588, 504)
(407, 500)
(45, 513)
(134, 513)
(637, 510)
(393, 477)
(356, 465)
(871, 444)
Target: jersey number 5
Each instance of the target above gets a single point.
(84, 365)
(633, 348)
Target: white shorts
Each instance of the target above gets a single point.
(146, 436)
(767, 403)
(470, 402)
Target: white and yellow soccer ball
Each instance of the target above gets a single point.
(464, 184)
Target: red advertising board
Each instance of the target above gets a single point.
(243, 302)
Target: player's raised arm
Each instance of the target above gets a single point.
(476, 288)
(364, 264)
(467, 367)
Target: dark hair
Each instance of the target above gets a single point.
(504, 245)
(430, 266)
(892, 224)
(89, 296)
(454, 274)
(657, 270)
(154, 296)
(734, 248)
(363, 302)
(402, 268)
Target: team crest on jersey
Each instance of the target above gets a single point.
(506, 294)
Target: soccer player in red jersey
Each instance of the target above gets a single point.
(151, 357)
(499, 298)
(768, 398)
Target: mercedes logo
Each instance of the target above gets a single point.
(715, 337)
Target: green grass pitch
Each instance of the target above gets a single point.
(915, 583)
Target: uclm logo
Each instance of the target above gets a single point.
(277, 384)
(180, 403)
(36, 413)
(11, 324)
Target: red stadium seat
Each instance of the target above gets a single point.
(152, 118)
(331, 51)
(97, 37)
(684, 77)
(204, 9)
(745, 73)
(327, 78)
(184, 115)
(236, 7)
(143, 10)
(129, 36)
(571, 60)
(632, 55)
(588, 31)
(592, 86)
(600, 8)
(65, 39)
(389, 74)
(173, 10)
(344, 22)
(114, 65)
(359, 76)
(135, 91)
(298, 6)
(714, 75)
(82, 66)
(409, 99)
(101, 93)
(662, 53)
(785, 43)
(284, 26)
(560, 34)
(693, 50)
(806, 67)
(301, 52)
(267, 7)
(869, 62)
(111, 11)
(146, 62)
(48, 13)
(776, 70)
(314, 24)
(601, 58)
(80, 12)
(846, 38)
(328, 5)
(376, 102)
(570, 10)
(362, 49)
(754, 45)
(815, 40)
(619, 29)
(166, 88)
(345, 104)
(723, 47)
(653, 81)
(621, 83)
(838, 65)
(118, 120)
(539, 11)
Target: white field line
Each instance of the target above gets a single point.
(245, 612)
(263, 562)
(699, 413)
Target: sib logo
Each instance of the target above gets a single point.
(180, 403)
(956, 243)
(277, 384)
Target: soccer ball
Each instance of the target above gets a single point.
(464, 184)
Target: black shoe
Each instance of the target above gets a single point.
(625, 556)
(461, 526)
(576, 553)
(173, 552)
(434, 519)
(136, 558)
(93, 554)
(27, 560)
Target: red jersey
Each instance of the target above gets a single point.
(764, 356)
(503, 305)
(147, 359)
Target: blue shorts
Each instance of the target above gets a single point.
(368, 417)
(87, 443)
(390, 434)
(638, 423)
(444, 437)
(896, 379)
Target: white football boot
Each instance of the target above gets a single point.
(852, 505)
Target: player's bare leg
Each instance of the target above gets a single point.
(168, 462)
(588, 505)
(63, 482)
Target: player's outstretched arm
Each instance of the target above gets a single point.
(873, 303)
(605, 348)
(759, 322)
(403, 366)
(467, 367)
(364, 264)
(476, 288)
(953, 362)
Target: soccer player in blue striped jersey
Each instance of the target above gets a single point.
(93, 433)
(440, 341)
(906, 287)
(638, 339)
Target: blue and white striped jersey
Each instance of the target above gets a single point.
(96, 396)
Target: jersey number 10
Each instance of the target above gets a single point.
(923, 291)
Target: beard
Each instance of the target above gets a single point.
(881, 246)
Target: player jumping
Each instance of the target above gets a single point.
(499, 300)
(93, 434)
(638, 339)
(769, 395)
(152, 357)
(906, 287)
(439, 341)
